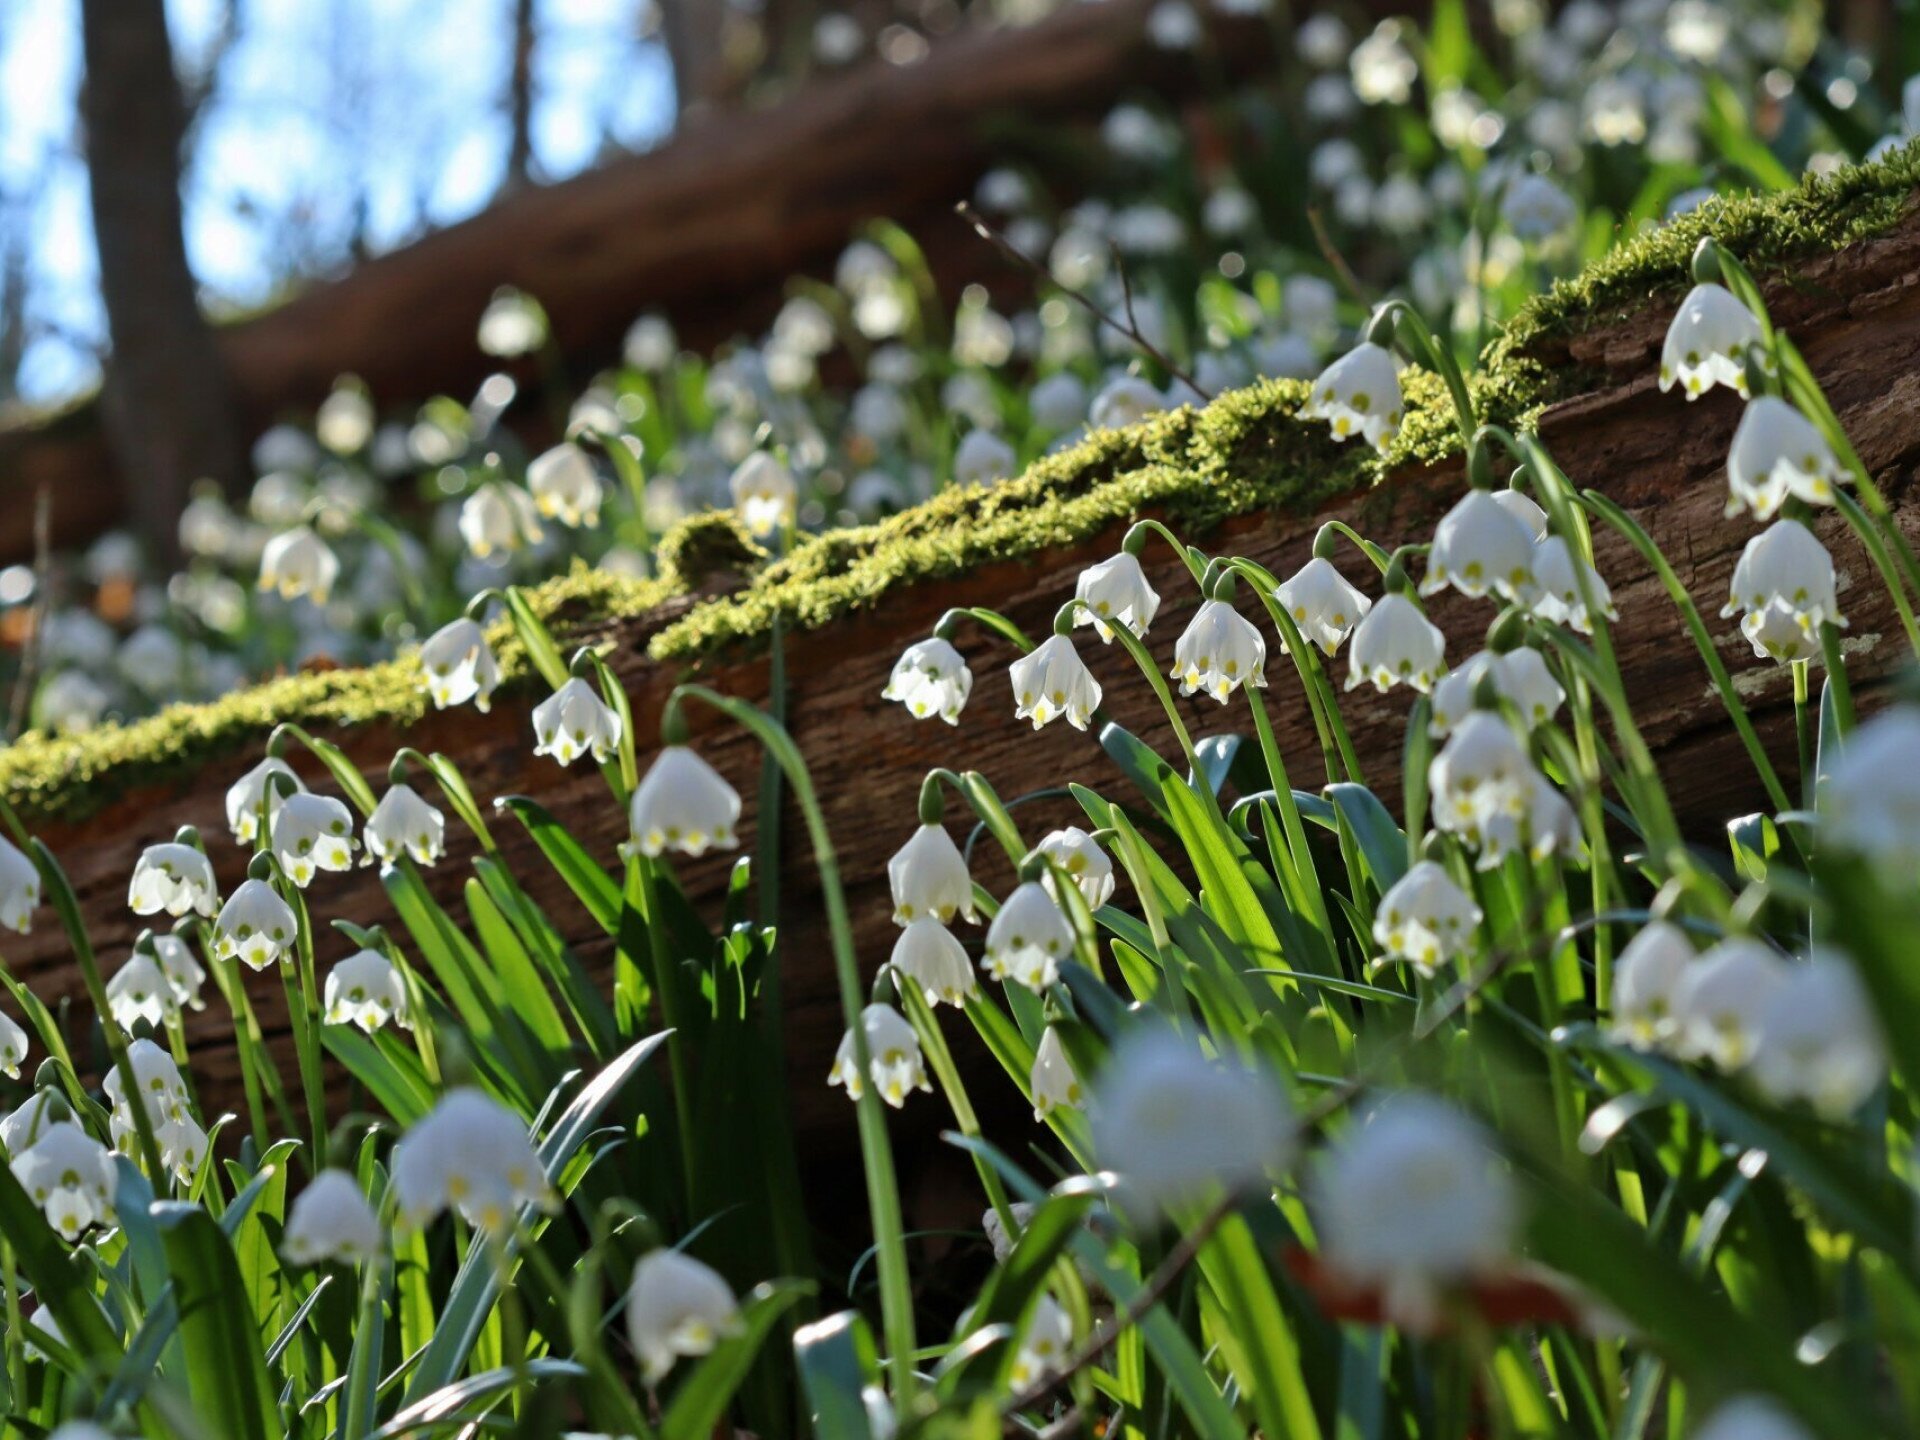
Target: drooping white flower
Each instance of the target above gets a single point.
(499, 518)
(1752, 1417)
(1519, 676)
(1044, 1346)
(42, 1323)
(245, 795)
(572, 721)
(1028, 939)
(677, 1306)
(13, 1046)
(1124, 400)
(21, 1130)
(1059, 402)
(459, 665)
(138, 991)
(893, 1055)
(1777, 452)
(19, 887)
(1359, 394)
(1425, 919)
(331, 1220)
(565, 486)
(365, 990)
(1719, 999)
(1777, 635)
(182, 970)
(763, 493)
(1178, 1126)
(1413, 1200)
(1322, 604)
(1053, 1082)
(514, 323)
(1707, 343)
(1783, 572)
(1218, 652)
(1086, 864)
(930, 678)
(181, 1141)
(70, 1176)
(255, 924)
(1546, 825)
(927, 955)
(928, 876)
(313, 833)
(174, 878)
(981, 458)
(1480, 548)
(1819, 1039)
(472, 1154)
(155, 1077)
(1645, 975)
(1556, 593)
(1396, 644)
(298, 562)
(1522, 508)
(1116, 592)
(1537, 209)
(403, 823)
(684, 804)
(1870, 803)
(1052, 681)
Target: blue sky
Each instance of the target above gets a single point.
(331, 117)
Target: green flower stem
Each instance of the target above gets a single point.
(387, 537)
(1323, 544)
(634, 478)
(1136, 540)
(1127, 844)
(940, 1058)
(643, 890)
(1803, 725)
(1411, 330)
(1131, 643)
(1290, 814)
(1837, 684)
(454, 787)
(1593, 819)
(586, 1347)
(993, 620)
(303, 1009)
(1527, 901)
(1327, 720)
(883, 1194)
(255, 1074)
(1876, 550)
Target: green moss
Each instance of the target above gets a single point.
(1248, 451)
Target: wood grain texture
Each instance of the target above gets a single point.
(1856, 315)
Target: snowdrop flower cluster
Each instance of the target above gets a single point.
(931, 889)
(257, 788)
(565, 486)
(1480, 549)
(1425, 919)
(255, 925)
(1028, 938)
(157, 1086)
(1086, 865)
(1707, 343)
(1395, 644)
(1053, 1081)
(1359, 394)
(1778, 453)
(1116, 592)
(13, 1048)
(1870, 803)
(1520, 678)
(498, 519)
(1784, 590)
(312, 833)
(175, 878)
(298, 562)
(764, 493)
(19, 888)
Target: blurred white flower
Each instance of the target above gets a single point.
(1707, 342)
(565, 486)
(139, 990)
(676, 1307)
(982, 458)
(930, 678)
(298, 562)
(499, 518)
(927, 955)
(929, 878)
(1329, 100)
(472, 1154)
(1819, 1039)
(1562, 583)
(459, 665)
(1400, 205)
(512, 324)
(42, 1323)
(13, 1047)
(182, 970)
(650, 344)
(1052, 681)
(1134, 133)
(1482, 773)
(1645, 975)
(1172, 25)
(366, 990)
(1395, 644)
(70, 1176)
(313, 833)
(71, 702)
(1752, 1417)
(1480, 548)
(1383, 67)
(763, 493)
(255, 925)
(1359, 394)
(880, 413)
(1229, 212)
(572, 721)
(405, 824)
(22, 1129)
(1218, 652)
(1059, 402)
(1044, 1345)
(684, 804)
(1028, 939)
(344, 421)
(1116, 591)
(1425, 919)
(1719, 999)
(1777, 452)
(1086, 864)
(1126, 400)
(1323, 41)
(175, 878)
(1520, 677)
(153, 659)
(1053, 1082)
(1870, 801)
(1537, 209)
(331, 1220)
(893, 1054)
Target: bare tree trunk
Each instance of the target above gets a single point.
(696, 36)
(520, 97)
(169, 409)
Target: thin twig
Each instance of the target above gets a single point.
(1131, 330)
(1338, 261)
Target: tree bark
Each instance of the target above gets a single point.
(168, 407)
(520, 97)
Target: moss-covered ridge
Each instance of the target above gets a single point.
(1247, 451)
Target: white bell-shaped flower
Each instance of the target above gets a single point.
(1520, 677)
(893, 1054)
(1425, 919)
(13, 1047)
(331, 1220)
(182, 1143)
(42, 1324)
(1411, 1201)
(21, 1130)
(175, 878)
(1053, 1082)
(1322, 604)
(1028, 939)
(1116, 592)
(19, 887)
(981, 458)
(1478, 549)
(245, 794)
(313, 833)
(1752, 1417)
(472, 1154)
(1870, 803)
(1522, 508)
(1546, 825)
(181, 968)
(1359, 394)
(298, 562)
(1481, 774)
(1396, 645)
(1819, 1039)
(1707, 343)
(155, 1077)
(1124, 400)
(927, 955)
(764, 494)
(928, 876)
(565, 486)
(498, 519)
(1645, 976)
(683, 804)
(366, 990)
(1777, 634)
(1719, 999)
(1177, 1126)
(1086, 864)
(139, 990)
(1556, 592)
(930, 678)
(1052, 681)
(676, 1306)
(1045, 1345)
(1777, 452)
(403, 823)
(572, 721)
(1783, 572)
(459, 665)
(70, 1176)
(255, 925)
(1218, 652)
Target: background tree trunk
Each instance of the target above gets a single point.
(520, 97)
(168, 408)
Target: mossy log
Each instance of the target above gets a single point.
(1855, 311)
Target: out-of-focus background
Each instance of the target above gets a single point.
(273, 263)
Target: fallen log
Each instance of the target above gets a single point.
(1855, 312)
